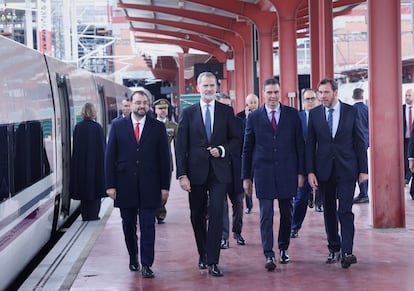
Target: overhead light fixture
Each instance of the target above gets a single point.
(250, 1)
(224, 47)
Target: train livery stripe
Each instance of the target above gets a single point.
(30, 219)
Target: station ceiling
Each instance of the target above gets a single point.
(199, 24)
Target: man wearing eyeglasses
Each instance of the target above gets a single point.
(304, 193)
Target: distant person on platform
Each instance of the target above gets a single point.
(303, 193)
(137, 169)
(87, 174)
(336, 157)
(125, 109)
(252, 103)
(408, 119)
(161, 110)
(234, 190)
(358, 96)
(273, 156)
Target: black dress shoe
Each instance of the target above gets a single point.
(360, 199)
(147, 272)
(239, 239)
(202, 264)
(294, 233)
(412, 196)
(333, 257)
(214, 270)
(248, 211)
(270, 264)
(161, 221)
(134, 267)
(319, 208)
(284, 257)
(347, 260)
(224, 244)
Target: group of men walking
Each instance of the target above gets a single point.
(273, 148)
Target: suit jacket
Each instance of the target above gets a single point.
(192, 156)
(87, 178)
(405, 120)
(362, 109)
(303, 120)
(346, 152)
(137, 171)
(274, 159)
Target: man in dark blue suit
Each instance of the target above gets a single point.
(336, 157)
(125, 109)
(362, 108)
(207, 134)
(408, 118)
(304, 193)
(137, 172)
(273, 155)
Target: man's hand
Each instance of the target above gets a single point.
(301, 180)
(248, 187)
(313, 182)
(214, 152)
(411, 165)
(111, 192)
(164, 195)
(362, 177)
(185, 183)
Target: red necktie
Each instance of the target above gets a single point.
(410, 119)
(137, 132)
(274, 123)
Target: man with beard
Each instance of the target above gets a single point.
(137, 172)
(207, 134)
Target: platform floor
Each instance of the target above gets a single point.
(385, 257)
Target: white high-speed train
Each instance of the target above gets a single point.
(40, 101)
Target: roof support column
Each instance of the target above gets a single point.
(181, 78)
(386, 128)
(314, 43)
(326, 65)
(288, 58)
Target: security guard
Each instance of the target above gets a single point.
(161, 110)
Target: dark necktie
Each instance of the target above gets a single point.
(410, 119)
(207, 122)
(330, 120)
(274, 123)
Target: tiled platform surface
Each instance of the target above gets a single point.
(385, 257)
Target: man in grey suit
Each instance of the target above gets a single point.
(207, 134)
(336, 157)
(273, 155)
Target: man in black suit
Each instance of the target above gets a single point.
(234, 190)
(408, 118)
(252, 103)
(336, 158)
(137, 172)
(206, 134)
(362, 108)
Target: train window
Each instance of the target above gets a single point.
(23, 155)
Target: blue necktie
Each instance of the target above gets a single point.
(207, 123)
(330, 120)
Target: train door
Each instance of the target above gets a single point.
(64, 87)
